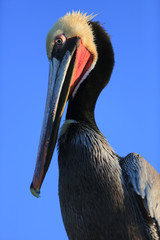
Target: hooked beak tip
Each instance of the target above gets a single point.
(35, 192)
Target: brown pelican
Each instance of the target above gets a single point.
(102, 196)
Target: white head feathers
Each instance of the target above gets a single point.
(73, 24)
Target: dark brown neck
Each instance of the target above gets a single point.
(81, 107)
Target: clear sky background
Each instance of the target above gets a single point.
(127, 111)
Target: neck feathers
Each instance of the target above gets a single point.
(81, 107)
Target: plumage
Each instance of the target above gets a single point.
(102, 195)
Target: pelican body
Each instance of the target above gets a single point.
(102, 195)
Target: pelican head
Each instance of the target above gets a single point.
(72, 54)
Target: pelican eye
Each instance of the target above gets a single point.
(59, 41)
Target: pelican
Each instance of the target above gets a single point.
(102, 195)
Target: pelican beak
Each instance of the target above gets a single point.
(60, 76)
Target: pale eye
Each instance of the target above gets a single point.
(59, 41)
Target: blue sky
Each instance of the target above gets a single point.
(127, 111)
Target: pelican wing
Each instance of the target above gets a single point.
(145, 181)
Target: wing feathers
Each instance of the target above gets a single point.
(145, 181)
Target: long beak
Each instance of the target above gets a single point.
(60, 75)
